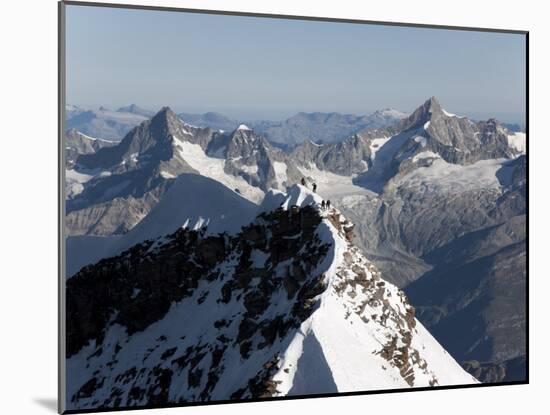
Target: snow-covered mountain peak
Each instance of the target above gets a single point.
(286, 306)
(152, 140)
(431, 109)
(243, 127)
(424, 113)
(165, 115)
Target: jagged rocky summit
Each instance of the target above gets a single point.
(285, 306)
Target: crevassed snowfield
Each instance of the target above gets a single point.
(442, 177)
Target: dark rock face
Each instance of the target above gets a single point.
(276, 254)
(97, 291)
(348, 157)
(76, 144)
(245, 150)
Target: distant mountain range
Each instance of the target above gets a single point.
(319, 126)
(104, 123)
(325, 127)
(438, 203)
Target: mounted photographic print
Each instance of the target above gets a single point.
(258, 207)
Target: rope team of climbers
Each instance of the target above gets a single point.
(324, 204)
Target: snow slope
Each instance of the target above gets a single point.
(446, 178)
(192, 202)
(292, 308)
(212, 167)
(349, 323)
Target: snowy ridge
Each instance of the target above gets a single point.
(379, 336)
(286, 306)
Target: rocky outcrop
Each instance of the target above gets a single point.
(348, 157)
(252, 157)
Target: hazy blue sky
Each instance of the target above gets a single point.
(247, 67)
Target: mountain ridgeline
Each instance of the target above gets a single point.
(285, 306)
(184, 218)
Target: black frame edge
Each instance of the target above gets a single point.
(293, 398)
(61, 364)
(288, 17)
(527, 353)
